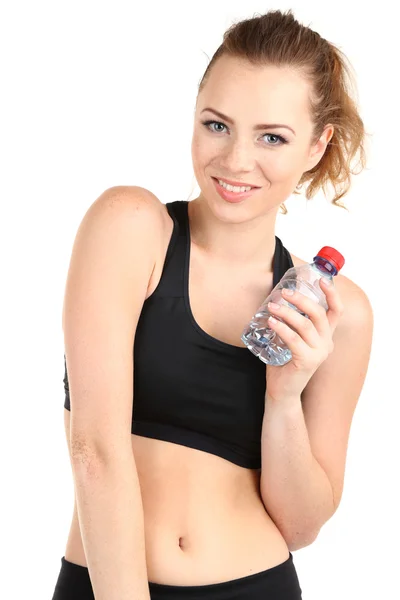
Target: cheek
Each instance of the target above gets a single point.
(198, 159)
(202, 151)
(283, 166)
(196, 148)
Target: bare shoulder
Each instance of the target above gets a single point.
(121, 227)
(130, 198)
(136, 213)
(141, 203)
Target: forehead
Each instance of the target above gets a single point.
(236, 88)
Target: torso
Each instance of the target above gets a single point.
(204, 517)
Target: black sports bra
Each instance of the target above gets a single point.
(190, 388)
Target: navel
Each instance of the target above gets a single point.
(182, 543)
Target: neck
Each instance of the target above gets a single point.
(247, 244)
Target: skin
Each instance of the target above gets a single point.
(205, 520)
(244, 233)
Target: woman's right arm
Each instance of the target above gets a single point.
(111, 264)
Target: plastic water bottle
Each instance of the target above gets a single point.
(264, 342)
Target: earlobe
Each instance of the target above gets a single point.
(316, 156)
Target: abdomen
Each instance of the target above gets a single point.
(204, 518)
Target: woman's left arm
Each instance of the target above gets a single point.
(305, 434)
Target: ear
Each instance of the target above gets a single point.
(318, 149)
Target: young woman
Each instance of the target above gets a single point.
(197, 469)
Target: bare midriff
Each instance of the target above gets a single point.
(204, 518)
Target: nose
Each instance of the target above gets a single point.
(237, 157)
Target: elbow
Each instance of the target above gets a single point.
(84, 458)
(86, 463)
(300, 540)
(88, 455)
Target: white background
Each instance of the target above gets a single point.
(102, 94)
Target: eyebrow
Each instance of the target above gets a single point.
(256, 127)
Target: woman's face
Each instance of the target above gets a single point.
(234, 147)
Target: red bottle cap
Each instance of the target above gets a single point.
(333, 256)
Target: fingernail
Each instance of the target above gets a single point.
(274, 305)
(327, 282)
(288, 292)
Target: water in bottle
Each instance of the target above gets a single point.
(258, 336)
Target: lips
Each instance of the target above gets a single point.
(232, 197)
(235, 183)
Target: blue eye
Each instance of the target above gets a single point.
(208, 125)
(279, 137)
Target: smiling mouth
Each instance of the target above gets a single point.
(237, 185)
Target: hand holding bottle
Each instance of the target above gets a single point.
(310, 340)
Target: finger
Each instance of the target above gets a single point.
(300, 323)
(334, 301)
(312, 309)
(293, 340)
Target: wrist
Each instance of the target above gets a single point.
(282, 400)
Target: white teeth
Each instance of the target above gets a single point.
(234, 188)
